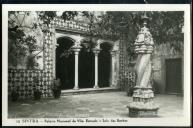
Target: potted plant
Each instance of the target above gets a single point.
(37, 92)
(131, 82)
(14, 95)
(56, 88)
(130, 91)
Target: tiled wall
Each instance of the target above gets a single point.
(123, 72)
(23, 81)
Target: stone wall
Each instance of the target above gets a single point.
(161, 53)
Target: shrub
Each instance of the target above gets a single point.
(56, 88)
(14, 95)
(37, 94)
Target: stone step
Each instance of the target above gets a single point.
(87, 91)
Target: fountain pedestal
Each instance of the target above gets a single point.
(142, 104)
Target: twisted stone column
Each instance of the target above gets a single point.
(143, 105)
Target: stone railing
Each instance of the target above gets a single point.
(80, 27)
(70, 25)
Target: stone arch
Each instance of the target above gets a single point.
(112, 60)
(67, 38)
(77, 39)
(116, 46)
(86, 65)
(105, 63)
(59, 35)
(64, 60)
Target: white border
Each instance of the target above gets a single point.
(179, 121)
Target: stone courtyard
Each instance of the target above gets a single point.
(106, 104)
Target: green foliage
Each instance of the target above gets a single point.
(46, 16)
(21, 44)
(165, 27)
(56, 88)
(31, 62)
(100, 24)
(69, 15)
(14, 95)
(37, 94)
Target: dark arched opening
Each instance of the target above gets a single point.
(104, 67)
(86, 67)
(65, 63)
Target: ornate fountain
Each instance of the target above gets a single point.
(142, 104)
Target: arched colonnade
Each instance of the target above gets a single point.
(77, 45)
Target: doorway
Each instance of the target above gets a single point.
(104, 65)
(174, 77)
(65, 63)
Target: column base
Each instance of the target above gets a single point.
(96, 86)
(140, 109)
(112, 86)
(76, 88)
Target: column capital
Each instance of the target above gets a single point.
(76, 48)
(113, 52)
(96, 51)
(55, 45)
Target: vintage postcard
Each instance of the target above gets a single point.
(96, 65)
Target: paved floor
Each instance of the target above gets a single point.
(109, 104)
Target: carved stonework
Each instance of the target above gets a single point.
(143, 105)
(96, 50)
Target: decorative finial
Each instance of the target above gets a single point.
(145, 18)
(123, 23)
